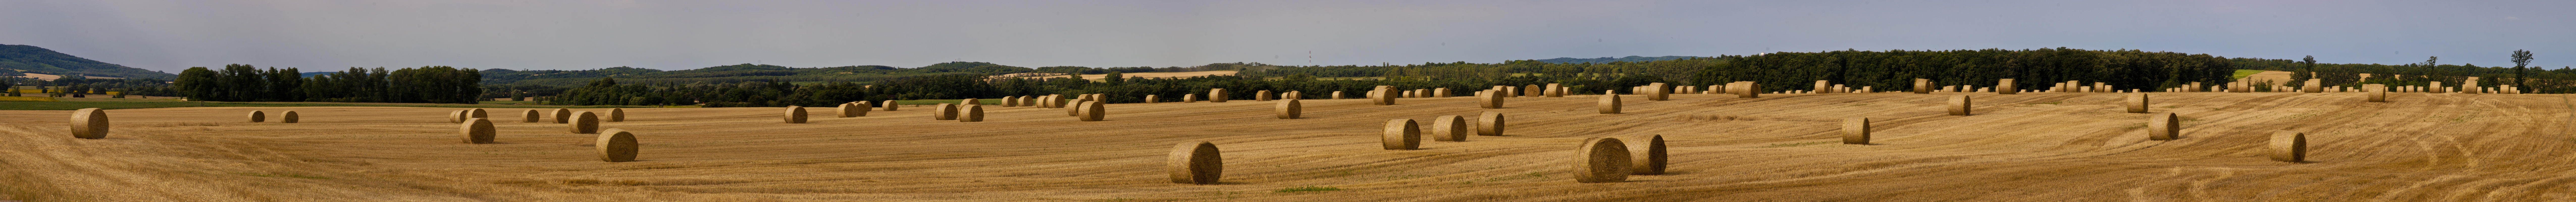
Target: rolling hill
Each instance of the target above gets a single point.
(32, 59)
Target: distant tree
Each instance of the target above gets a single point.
(2521, 58)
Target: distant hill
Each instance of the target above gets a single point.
(32, 59)
(1631, 58)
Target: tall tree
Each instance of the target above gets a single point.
(2521, 58)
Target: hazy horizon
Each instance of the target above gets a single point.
(330, 35)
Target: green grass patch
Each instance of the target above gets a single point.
(2241, 73)
(1307, 188)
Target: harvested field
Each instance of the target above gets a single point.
(2024, 147)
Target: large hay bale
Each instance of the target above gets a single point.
(1658, 92)
(1195, 163)
(615, 115)
(1337, 95)
(89, 123)
(585, 123)
(2164, 126)
(943, 111)
(1650, 159)
(1747, 89)
(1609, 102)
(1554, 90)
(1385, 95)
(1216, 95)
(1822, 86)
(2135, 102)
(1602, 160)
(1923, 86)
(1450, 128)
(476, 131)
(1960, 106)
(2006, 87)
(890, 105)
(2378, 92)
(1856, 130)
(1189, 98)
(848, 110)
(2468, 87)
(1489, 124)
(1401, 134)
(530, 116)
(970, 113)
(290, 117)
(1490, 99)
(1094, 111)
(561, 115)
(1288, 109)
(616, 145)
(2290, 146)
(794, 114)
(2313, 86)
(1263, 95)
(1151, 99)
(455, 118)
(257, 116)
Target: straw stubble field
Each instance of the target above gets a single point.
(2025, 147)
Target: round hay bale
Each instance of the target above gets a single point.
(89, 123)
(2136, 102)
(2378, 92)
(1386, 95)
(477, 131)
(2164, 126)
(1010, 101)
(1075, 110)
(1216, 95)
(1658, 92)
(1195, 163)
(2290, 146)
(1151, 99)
(1923, 86)
(1491, 99)
(457, 116)
(530, 117)
(1489, 124)
(616, 145)
(477, 113)
(890, 105)
(1609, 103)
(1747, 89)
(852, 110)
(1401, 134)
(970, 101)
(1856, 130)
(585, 123)
(970, 113)
(1960, 106)
(1263, 95)
(290, 117)
(614, 115)
(1450, 128)
(1095, 111)
(1602, 160)
(1289, 109)
(1189, 98)
(1650, 157)
(1337, 95)
(794, 114)
(943, 111)
(257, 116)
(561, 115)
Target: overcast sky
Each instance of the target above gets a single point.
(325, 35)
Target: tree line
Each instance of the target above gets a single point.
(246, 83)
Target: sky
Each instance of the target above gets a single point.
(328, 35)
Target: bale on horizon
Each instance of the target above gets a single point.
(476, 131)
(257, 116)
(2164, 126)
(1856, 130)
(1489, 124)
(1658, 92)
(890, 105)
(794, 114)
(2006, 87)
(290, 117)
(1922, 86)
(1216, 95)
(1263, 95)
(1151, 99)
(1602, 160)
(1650, 159)
(1288, 109)
(1337, 95)
(585, 123)
(1014, 101)
(1449, 128)
(1609, 102)
(89, 123)
(1195, 163)
(1189, 98)
(2290, 146)
(1401, 134)
(616, 145)
(1384, 95)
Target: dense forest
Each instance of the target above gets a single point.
(2521, 74)
(238, 82)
